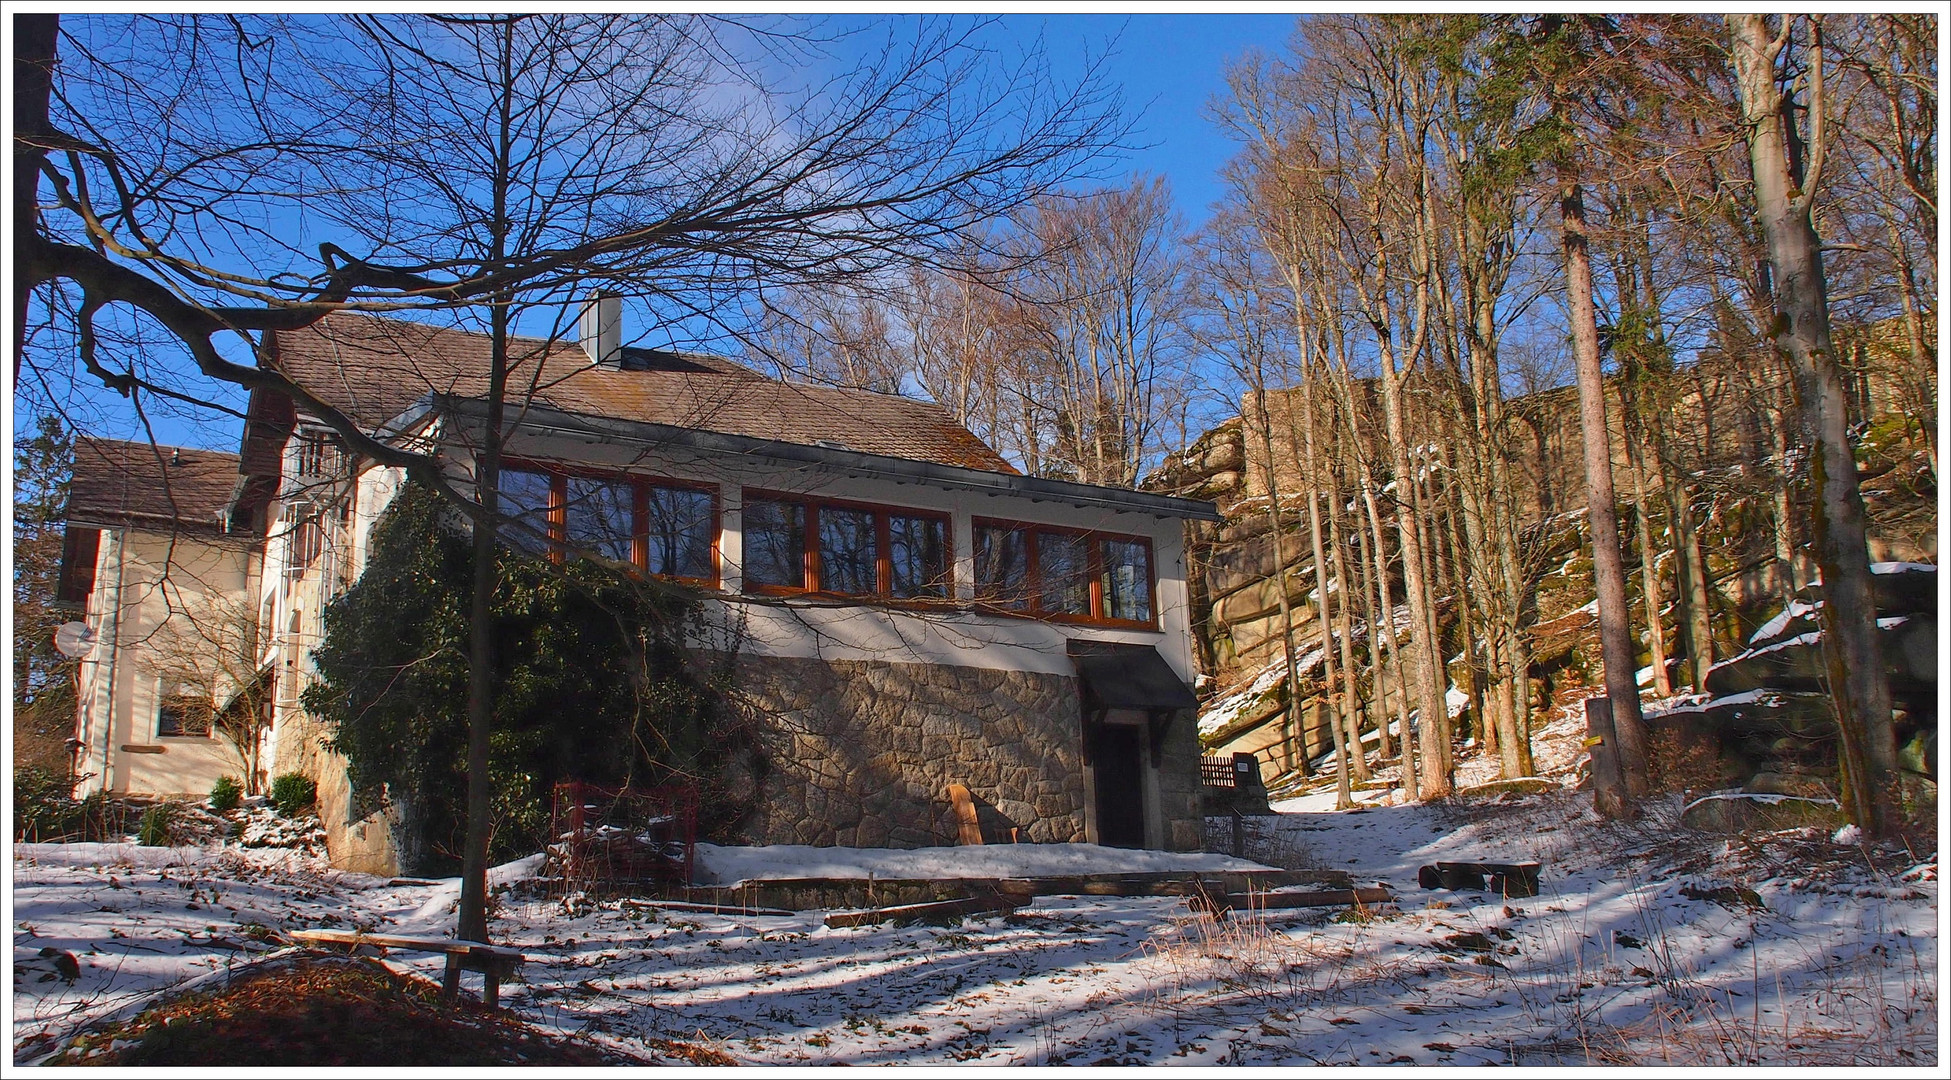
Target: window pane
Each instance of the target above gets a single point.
(1065, 588)
(917, 551)
(849, 557)
(1002, 566)
(525, 503)
(681, 530)
(1127, 581)
(775, 543)
(181, 715)
(598, 515)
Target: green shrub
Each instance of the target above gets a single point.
(293, 793)
(225, 794)
(153, 829)
(44, 805)
(592, 682)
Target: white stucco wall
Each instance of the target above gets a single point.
(143, 625)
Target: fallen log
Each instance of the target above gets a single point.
(967, 905)
(1221, 904)
(706, 909)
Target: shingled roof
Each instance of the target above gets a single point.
(375, 368)
(143, 485)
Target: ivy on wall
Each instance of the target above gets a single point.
(592, 682)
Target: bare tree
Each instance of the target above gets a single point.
(493, 165)
(1788, 160)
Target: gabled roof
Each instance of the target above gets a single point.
(143, 485)
(375, 369)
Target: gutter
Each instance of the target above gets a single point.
(114, 654)
(539, 418)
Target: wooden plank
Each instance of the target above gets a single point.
(968, 905)
(1251, 902)
(707, 909)
(968, 829)
(457, 946)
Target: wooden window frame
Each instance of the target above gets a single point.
(187, 705)
(559, 546)
(1094, 562)
(883, 548)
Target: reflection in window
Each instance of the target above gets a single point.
(597, 515)
(681, 528)
(775, 542)
(525, 508)
(1063, 568)
(849, 557)
(184, 715)
(1003, 566)
(1127, 580)
(917, 556)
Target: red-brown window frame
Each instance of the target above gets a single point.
(883, 547)
(1094, 561)
(641, 483)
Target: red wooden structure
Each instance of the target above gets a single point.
(616, 836)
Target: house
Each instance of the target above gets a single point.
(913, 611)
(152, 566)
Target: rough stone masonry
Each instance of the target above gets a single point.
(865, 752)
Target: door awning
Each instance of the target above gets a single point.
(1114, 675)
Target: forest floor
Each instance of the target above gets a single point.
(1648, 944)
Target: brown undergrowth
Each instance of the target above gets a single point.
(323, 1010)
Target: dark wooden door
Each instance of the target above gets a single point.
(1120, 786)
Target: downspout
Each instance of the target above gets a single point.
(114, 654)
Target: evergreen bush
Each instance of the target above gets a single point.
(225, 794)
(153, 829)
(293, 794)
(591, 682)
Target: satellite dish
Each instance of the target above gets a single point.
(74, 639)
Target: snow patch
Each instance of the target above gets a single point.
(737, 865)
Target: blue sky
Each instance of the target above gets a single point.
(1169, 68)
(1166, 68)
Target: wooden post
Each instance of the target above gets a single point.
(1609, 796)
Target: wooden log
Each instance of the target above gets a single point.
(968, 828)
(1608, 774)
(492, 961)
(1250, 902)
(968, 905)
(706, 909)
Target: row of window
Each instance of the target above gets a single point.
(794, 544)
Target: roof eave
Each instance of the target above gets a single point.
(537, 417)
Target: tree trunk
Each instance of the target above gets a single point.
(1378, 687)
(1784, 195)
(1351, 713)
(1615, 630)
(1311, 478)
(472, 915)
(1292, 721)
(36, 39)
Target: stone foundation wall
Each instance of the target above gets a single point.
(1181, 794)
(365, 844)
(864, 751)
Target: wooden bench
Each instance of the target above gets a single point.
(492, 961)
(1513, 880)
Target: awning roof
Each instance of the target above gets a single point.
(1120, 676)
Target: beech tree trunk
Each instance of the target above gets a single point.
(1786, 178)
(1615, 628)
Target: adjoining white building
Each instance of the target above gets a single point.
(911, 610)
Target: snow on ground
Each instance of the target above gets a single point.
(1642, 948)
(734, 865)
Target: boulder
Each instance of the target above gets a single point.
(1728, 812)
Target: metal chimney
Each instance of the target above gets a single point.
(601, 329)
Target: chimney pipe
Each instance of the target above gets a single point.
(601, 329)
